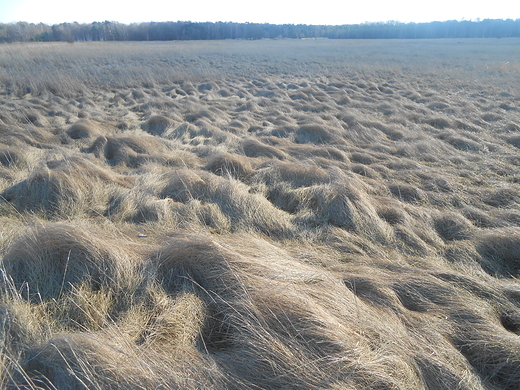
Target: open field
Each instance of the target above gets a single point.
(293, 214)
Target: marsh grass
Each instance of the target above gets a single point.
(270, 214)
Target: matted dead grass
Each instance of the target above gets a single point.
(284, 214)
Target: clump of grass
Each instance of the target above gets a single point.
(185, 196)
(466, 144)
(500, 251)
(201, 132)
(391, 212)
(501, 197)
(255, 148)
(10, 156)
(438, 122)
(134, 151)
(84, 128)
(296, 175)
(246, 211)
(52, 259)
(65, 187)
(407, 193)
(313, 151)
(364, 170)
(408, 240)
(189, 261)
(138, 207)
(157, 124)
(75, 361)
(317, 134)
(440, 184)
(362, 158)
(35, 137)
(344, 206)
(237, 166)
(484, 349)
(453, 226)
(480, 218)
(31, 117)
(514, 140)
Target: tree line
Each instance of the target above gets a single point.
(180, 30)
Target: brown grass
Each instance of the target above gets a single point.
(10, 157)
(453, 226)
(256, 148)
(83, 128)
(52, 259)
(307, 214)
(157, 124)
(238, 167)
(501, 252)
(65, 187)
(134, 151)
(407, 193)
(244, 210)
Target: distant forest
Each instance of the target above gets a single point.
(166, 31)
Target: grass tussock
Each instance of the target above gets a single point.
(453, 226)
(134, 151)
(236, 166)
(10, 157)
(50, 260)
(64, 187)
(83, 128)
(259, 215)
(156, 124)
(245, 210)
(500, 252)
(407, 193)
(256, 148)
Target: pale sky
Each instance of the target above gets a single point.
(259, 11)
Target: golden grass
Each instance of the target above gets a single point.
(305, 214)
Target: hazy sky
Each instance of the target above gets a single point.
(261, 11)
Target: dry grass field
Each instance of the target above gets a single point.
(293, 214)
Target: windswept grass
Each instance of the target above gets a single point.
(305, 214)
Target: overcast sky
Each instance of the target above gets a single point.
(260, 11)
